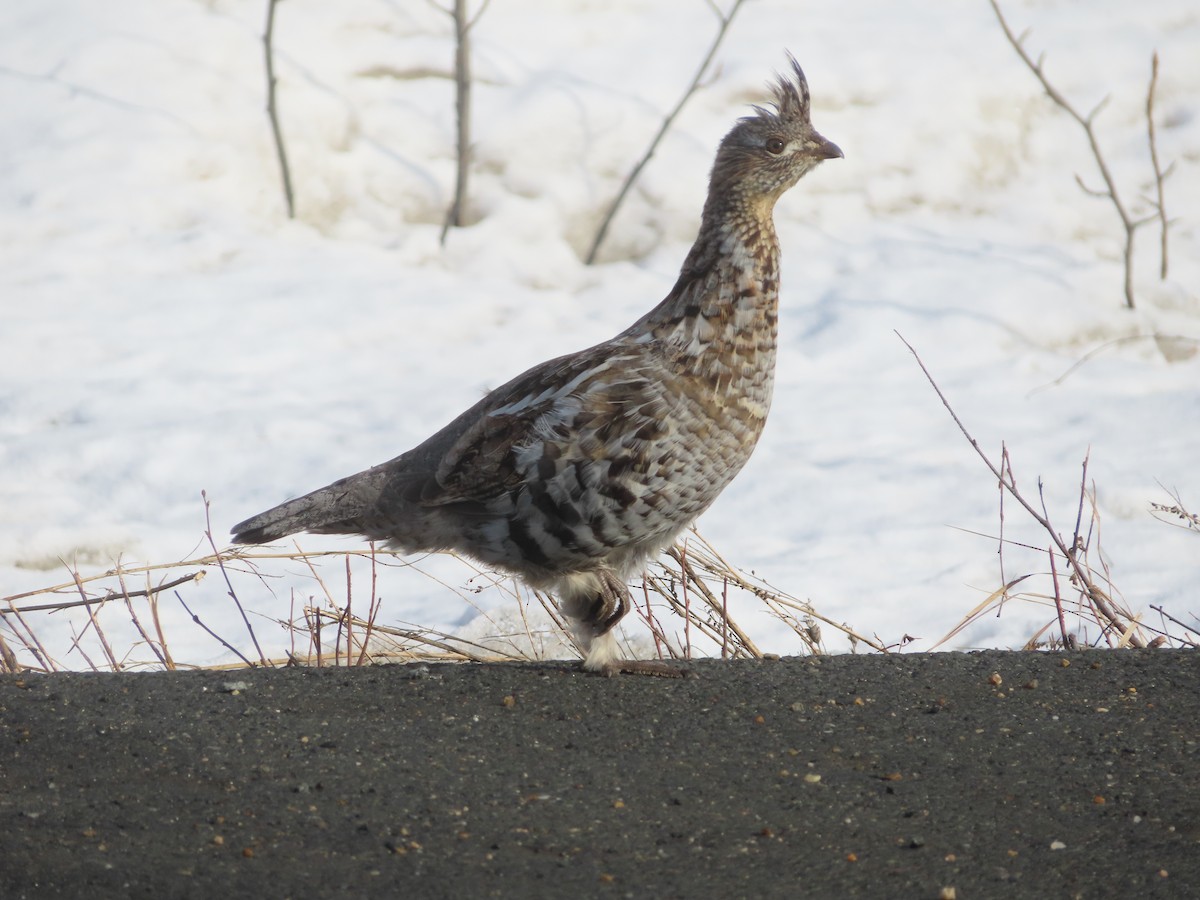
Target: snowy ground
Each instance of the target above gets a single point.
(165, 330)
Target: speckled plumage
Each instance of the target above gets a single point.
(574, 473)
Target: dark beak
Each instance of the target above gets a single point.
(826, 149)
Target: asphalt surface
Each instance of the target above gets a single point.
(923, 776)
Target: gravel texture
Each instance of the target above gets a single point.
(944, 775)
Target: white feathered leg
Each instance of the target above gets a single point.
(595, 603)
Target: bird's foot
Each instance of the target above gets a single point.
(643, 667)
(604, 658)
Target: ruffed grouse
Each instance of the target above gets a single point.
(571, 475)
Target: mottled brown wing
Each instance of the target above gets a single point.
(480, 466)
(481, 463)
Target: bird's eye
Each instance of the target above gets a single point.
(775, 146)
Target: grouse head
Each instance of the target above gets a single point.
(768, 152)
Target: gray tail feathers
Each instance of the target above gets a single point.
(287, 518)
(340, 508)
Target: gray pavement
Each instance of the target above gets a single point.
(966, 775)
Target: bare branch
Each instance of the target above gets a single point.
(28, 637)
(479, 12)
(1162, 612)
(719, 606)
(1125, 339)
(8, 659)
(1004, 463)
(1159, 175)
(1095, 595)
(462, 102)
(1091, 191)
(1190, 520)
(1082, 496)
(228, 646)
(1058, 601)
(137, 622)
(108, 595)
(1098, 108)
(602, 231)
(221, 565)
(273, 112)
(1085, 123)
(95, 624)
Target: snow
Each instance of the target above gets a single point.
(165, 330)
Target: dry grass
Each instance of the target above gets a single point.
(1079, 613)
(690, 603)
(1080, 590)
(683, 608)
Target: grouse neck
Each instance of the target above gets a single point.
(733, 262)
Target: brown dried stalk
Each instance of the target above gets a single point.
(1080, 572)
(221, 565)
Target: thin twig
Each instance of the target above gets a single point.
(1190, 520)
(224, 643)
(1058, 602)
(75, 645)
(348, 616)
(725, 621)
(221, 565)
(667, 589)
(272, 110)
(1092, 591)
(1166, 615)
(662, 641)
(1159, 175)
(995, 596)
(33, 644)
(687, 608)
(1077, 539)
(372, 608)
(291, 626)
(312, 619)
(479, 12)
(1005, 463)
(228, 556)
(133, 616)
(152, 599)
(462, 103)
(725, 19)
(774, 598)
(447, 643)
(729, 627)
(332, 605)
(93, 601)
(656, 631)
(1095, 351)
(1068, 641)
(8, 658)
(1085, 122)
(108, 653)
